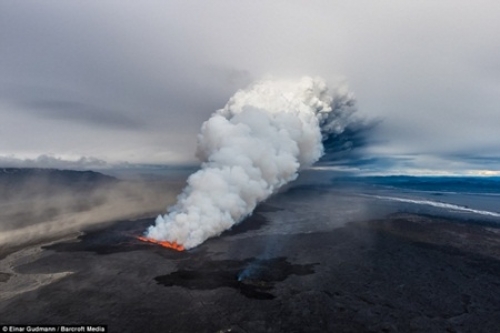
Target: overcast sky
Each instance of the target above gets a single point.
(132, 81)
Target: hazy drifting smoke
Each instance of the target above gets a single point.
(254, 145)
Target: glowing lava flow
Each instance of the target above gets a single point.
(173, 245)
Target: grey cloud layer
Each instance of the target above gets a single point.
(80, 112)
(90, 70)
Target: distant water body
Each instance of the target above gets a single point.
(466, 197)
(320, 201)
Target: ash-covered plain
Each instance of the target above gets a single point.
(312, 258)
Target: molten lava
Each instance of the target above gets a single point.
(170, 245)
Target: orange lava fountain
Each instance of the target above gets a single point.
(170, 245)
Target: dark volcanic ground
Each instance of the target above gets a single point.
(403, 272)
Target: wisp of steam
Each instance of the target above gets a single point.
(257, 143)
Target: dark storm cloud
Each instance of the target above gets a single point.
(357, 134)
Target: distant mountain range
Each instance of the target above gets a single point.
(16, 182)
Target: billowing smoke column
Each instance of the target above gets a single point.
(249, 149)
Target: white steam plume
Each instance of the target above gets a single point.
(254, 145)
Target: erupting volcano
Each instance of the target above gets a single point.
(170, 245)
(249, 149)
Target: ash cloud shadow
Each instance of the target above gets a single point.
(253, 278)
(255, 221)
